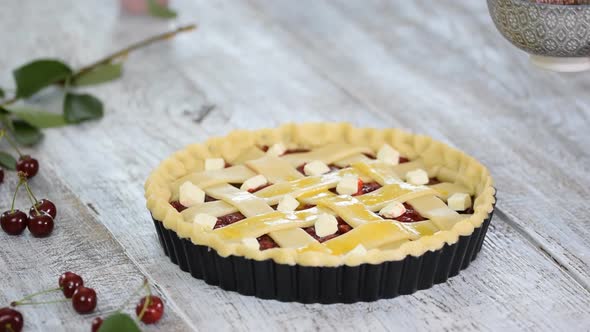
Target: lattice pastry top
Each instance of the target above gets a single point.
(321, 194)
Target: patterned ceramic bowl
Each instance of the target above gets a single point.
(556, 36)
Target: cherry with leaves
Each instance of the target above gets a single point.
(25, 122)
(26, 164)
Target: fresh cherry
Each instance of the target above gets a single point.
(84, 300)
(40, 225)
(69, 282)
(28, 166)
(13, 222)
(64, 277)
(44, 205)
(153, 311)
(96, 323)
(10, 320)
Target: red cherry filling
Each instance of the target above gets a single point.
(410, 215)
(343, 227)
(228, 219)
(432, 181)
(179, 207)
(266, 242)
(368, 187)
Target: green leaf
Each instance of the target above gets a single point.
(81, 107)
(26, 134)
(5, 119)
(158, 10)
(119, 322)
(2, 94)
(7, 161)
(38, 118)
(39, 74)
(101, 74)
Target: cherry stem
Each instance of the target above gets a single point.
(147, 302)
(144, 285)
(119, 54)
(12, 143)
(31, 196)
(9, 327)
(28, 297)
(20, 183)
(14, 304)
(124, 52)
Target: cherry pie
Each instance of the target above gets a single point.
(321, 212)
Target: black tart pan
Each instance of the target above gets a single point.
(343, 284)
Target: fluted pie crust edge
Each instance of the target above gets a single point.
(437, 157)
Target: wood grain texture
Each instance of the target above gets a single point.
(260, 64)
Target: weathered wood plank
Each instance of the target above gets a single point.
(452, 76)
(257, 72)
(78, 243)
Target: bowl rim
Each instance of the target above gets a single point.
(550, 5)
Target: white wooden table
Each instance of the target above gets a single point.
(434, 67)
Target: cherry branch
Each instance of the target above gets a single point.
(119, 54)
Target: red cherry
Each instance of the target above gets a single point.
(153, 311)
(46, 206)
(96, 323)
(65, 276)
(28, 166)
(70, 284)
(84, 300)
(13, 222)
(10, 320)
(40, 225)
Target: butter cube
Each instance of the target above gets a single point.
(348, 185)
(393, 210)
(206, 221)
(387, 154)
(287, 204)
(277, 150)
(315, 167)
(325, 225)
(417, 177)
(190, 195)
(254, 182)
(214, 163)
(459, 201)
(251, 243)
